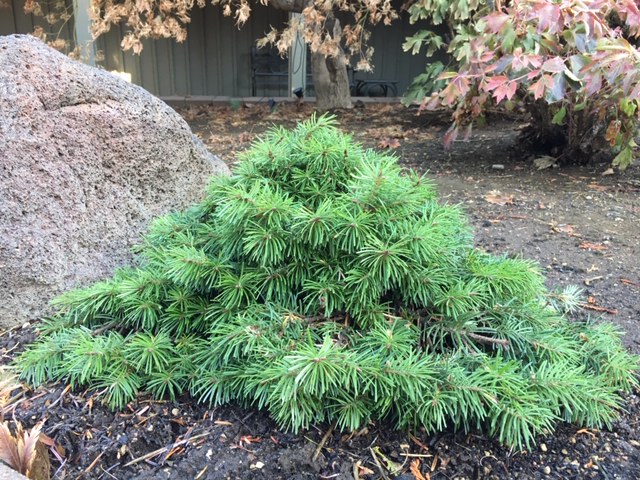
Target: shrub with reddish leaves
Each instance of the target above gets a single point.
(573, 63)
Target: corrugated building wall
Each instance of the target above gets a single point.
(215, 59)
(14, 20)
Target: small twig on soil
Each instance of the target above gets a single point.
(106, 472)
(415, 440)
(92, 464)
(201, 473)
(10, 330)
(380, 468)
(7, 352)
(14, 404)
(587, 432)
(588, 306)
(325, 437)
(501, 218)
(142, 411)
(223, 423)
(172, 452)
(159, 451)
(348, 453)
(11, 403)
(56, 474)
(629, 282)
(247, 417)
(64, 392)
(243, 420)
(145, 419)
(176, 447)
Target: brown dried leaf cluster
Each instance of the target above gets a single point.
(24, 452)
(7, 385)
(317, 32)
(56, 14)
(169, 19)
(498, 198)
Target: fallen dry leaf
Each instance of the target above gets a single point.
(588, 432)
(9, 453)
(362, 470)
(51, 443)
(593, 246)
(24, 452)
(564, 228)
(498, 198)
(245, 137)
(41, 464)
(545, 161)
(596, 187)
(392, 131)
(415, 470)
(389, 143)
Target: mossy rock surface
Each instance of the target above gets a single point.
(324, 283)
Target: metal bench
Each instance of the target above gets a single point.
(268, 69)
(376, 88)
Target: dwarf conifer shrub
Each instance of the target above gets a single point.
(323, 283)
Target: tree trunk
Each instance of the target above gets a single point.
(331, 82)
(330, 77)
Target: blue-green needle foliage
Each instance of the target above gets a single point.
(323, 283)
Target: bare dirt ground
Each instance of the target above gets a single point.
(582, 227)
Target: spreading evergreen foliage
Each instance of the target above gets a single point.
(323, 283)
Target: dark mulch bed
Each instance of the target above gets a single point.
(581, 226)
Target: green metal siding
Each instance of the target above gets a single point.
(215, 58)
(389, 61)
(8, 20)
(213, 61)
(14, 20)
